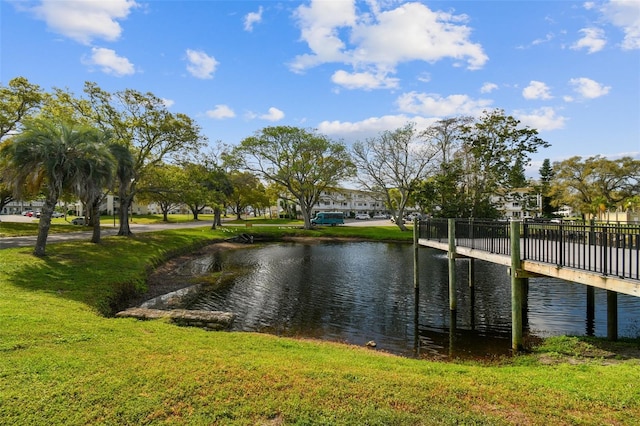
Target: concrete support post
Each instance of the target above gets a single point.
(416, 246)
(516, 288)
(416, 286)
(612, 315)
(451, 255)
(591, 310)
(472, 293)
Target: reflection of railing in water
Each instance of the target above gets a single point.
(609, 250)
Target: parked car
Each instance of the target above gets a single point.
(28, 213)
(362, 216)
(57, 214)
(381, 216)
(78, 221)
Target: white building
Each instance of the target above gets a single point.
(519, 203)
(350, 202)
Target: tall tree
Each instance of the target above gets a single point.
(440, 195)
(546, 177)
(393, 164)
(52, 157)
(206, 184)
(492, 147)
(592, 185)
(247, 191)
(141, 122)
(18, 100)
(163, 187)
(96, 177)
(303, 162)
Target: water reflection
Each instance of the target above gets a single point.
(357, 292)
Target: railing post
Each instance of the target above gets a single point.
(516, 288)
(605, 251)
(451, 254)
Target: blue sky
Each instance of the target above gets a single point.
(349, 69)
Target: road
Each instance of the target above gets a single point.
(107, 230)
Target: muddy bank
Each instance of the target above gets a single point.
(170, 276)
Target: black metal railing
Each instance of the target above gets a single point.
(434, 229)
(487, 235)
(606, 249)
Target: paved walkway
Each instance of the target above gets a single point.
(108, 230)
(85, 234)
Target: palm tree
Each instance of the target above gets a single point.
(52, 157)
(96, 176)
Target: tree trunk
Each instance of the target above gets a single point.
(44, 224)
(95, 218)
(125, 203)
(217, 221)
(306, 216)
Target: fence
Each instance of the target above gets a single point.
(606, 249)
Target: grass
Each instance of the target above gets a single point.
(64, 361)
(60, 225)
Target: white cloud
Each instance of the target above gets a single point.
(588, 88)
(536, 90)
(319, 23)
(436, 105)
(221, 112)
(274, 114)
(168, 102)
(488, 87)
(625, 14)
(109, 62)
(370, 127)
(201, 65)
(363, 80)
(546, 39)
(252, 18)
(593, 40)
(542, 119)
(424, 77)
(84, 21)
(336, 33)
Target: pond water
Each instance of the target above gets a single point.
(360, 292)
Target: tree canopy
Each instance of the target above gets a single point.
(142, 123)
(592, 185)
(53, 157)
(303, 162)
(393, 164)
(481, 158)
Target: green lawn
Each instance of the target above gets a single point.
(64, 360)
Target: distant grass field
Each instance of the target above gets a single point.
(59, 225)
(65, 361)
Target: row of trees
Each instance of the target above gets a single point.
(59, 145)
(128, 143)
(590, 186)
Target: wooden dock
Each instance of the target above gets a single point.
(602, 256)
